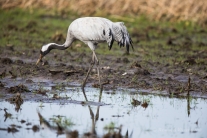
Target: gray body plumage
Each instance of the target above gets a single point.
(94, 30)
(97, 30)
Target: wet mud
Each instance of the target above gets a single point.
(19, 74)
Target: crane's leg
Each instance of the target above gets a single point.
(89, 71)
(97, 64)
(94, 57)
(99, 76)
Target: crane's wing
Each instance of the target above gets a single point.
(122, 36)
(93, 29)
(108, 35)
(97, 29)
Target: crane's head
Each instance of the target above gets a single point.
(44, 51)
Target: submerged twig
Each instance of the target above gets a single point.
(189, 86)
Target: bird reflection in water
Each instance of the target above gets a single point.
(75, 134)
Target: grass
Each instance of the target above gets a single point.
(110, 126)
(171, 10)
(62, 121)
(32, 28)
(19, 25)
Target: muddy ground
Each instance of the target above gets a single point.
(167, 60)
(19, 74)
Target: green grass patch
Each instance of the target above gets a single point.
(153, 40)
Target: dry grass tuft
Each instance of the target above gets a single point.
(172, 10)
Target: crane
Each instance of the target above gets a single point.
(91, 31)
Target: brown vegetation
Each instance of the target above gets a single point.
(172, 10)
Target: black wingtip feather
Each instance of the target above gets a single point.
(131, 43)
(112, 39)
(127, 46)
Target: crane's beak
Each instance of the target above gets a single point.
(39, 59)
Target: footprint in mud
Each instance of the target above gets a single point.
(19, 88)
(190, 61)
(136, 65)
(20, 62)
(6, 61)
(124, 60)
(139, 69)
(13, 74)
(2, 74)
(1, 84)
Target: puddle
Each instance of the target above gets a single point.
(160, 117)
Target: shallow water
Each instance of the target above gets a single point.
(163, 117)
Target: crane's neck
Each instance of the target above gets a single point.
(48, 47)
(51, 46)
